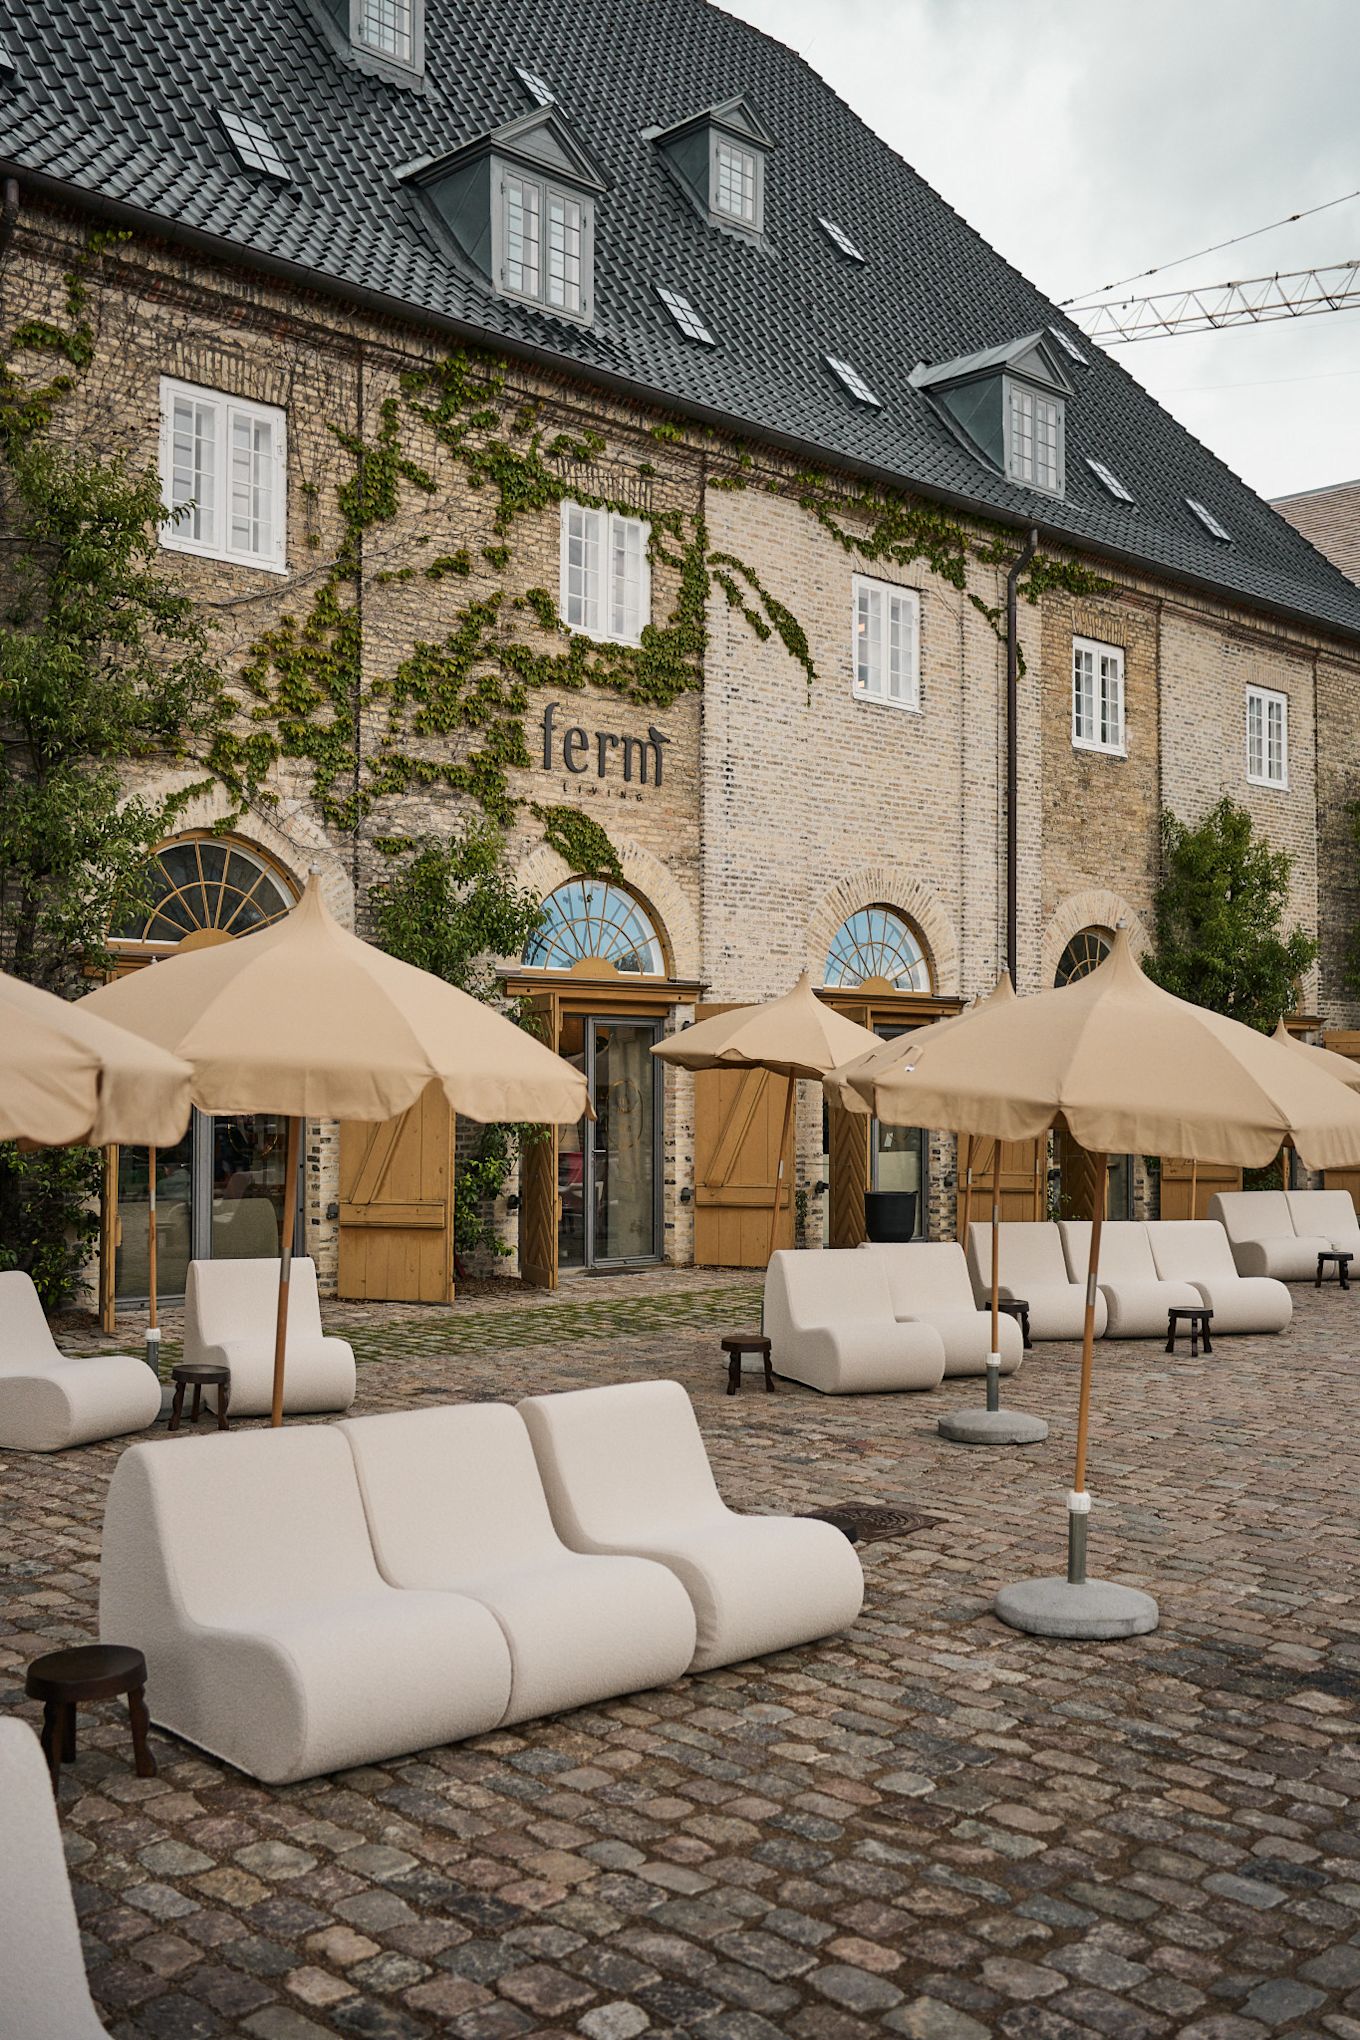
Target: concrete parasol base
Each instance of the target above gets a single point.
(992, 1427)
(1093, 1610)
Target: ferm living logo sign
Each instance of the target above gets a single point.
(612, 764)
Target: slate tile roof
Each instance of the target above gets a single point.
(119, 102)
(1329, 519)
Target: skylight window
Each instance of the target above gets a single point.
(1209, 521)
(839, 238)
(541, 93)
(1069, 346)
(253, 143)
(685, 316)
(1110, 480)
(853, 381)
(7, 64)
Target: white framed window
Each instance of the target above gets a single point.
(389, 28)
(1267, 737)
(224, 466)
(546, 244)
(1034, 438)
(1097, 697)
(606, 589)
(736, 182)
(887, 643)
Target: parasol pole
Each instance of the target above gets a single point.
(153, 1334)
(967, 1190)
(779, 1165)
(1284, 1163)
(1079, 1502)
(290, 1176)
(1194, 1185)
(994, 1356)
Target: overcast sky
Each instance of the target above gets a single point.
(1090, 139)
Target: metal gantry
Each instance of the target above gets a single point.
(1256, 300)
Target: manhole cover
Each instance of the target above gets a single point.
(872, 1522)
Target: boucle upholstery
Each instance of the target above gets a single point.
(455, 1504)
(1033, 1266)
(830, 1322)
(1330, 1213)
(43, 1991)
(625, 1470)
(928, 1284)
(230, 1309)
(49, 1401)
(1196, 1250)
(1137, 1299)
(1261, 1232)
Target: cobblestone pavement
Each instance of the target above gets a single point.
(932, 1826)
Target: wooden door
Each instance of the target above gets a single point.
(540, 1208)
(1024, 1180)
(1208, 1179)
(396, 1205)
(737, 1119)
(848, 1162)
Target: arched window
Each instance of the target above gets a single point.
(590, 918)
(878, 942)
(1083, 954)
(205, 887)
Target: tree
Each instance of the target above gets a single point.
(450, 909)
(1218, 912)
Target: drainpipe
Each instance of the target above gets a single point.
(1026, 554)
(9, 212)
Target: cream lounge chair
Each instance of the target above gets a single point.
(830, 1321)
(1137, 1298)
(49, 1401)
(455, 1505)
(241, 1566)
(625, 1471)
(1196, 1250)
(1330, 1213)
(1262, 1235)
(229, 1314)
(43, 1991)
(1033, 1266)
(928, 1284)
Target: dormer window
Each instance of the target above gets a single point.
(388, 27)
(1008, 405)
(519, 205)
(386, 37)
(717, 158)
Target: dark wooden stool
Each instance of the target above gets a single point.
(197, 1375)
(1018, 1308)
(1343, 1269)
(1198, 1322)
(91, 1671)
(734, 1346)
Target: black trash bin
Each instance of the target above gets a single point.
(890, 1215)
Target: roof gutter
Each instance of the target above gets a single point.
(220, 249)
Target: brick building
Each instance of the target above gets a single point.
(584, 411)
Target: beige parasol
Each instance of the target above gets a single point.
(69, 1077)
(797, 1035)
(306, 1020)
(1127, 1067)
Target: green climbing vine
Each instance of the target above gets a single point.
(580, 842)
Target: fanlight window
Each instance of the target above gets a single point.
(200, 884)
(878, 943)
(588, 917)
(1083, 954)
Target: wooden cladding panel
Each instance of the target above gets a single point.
(396, 1205)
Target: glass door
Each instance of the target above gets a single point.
(609, 1168)
(219, 1196)
(897, 1154)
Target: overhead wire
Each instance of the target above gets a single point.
(1096, 290)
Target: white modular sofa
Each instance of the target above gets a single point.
(929, 1285)
(43, 1991)
(1033, 1266)
(1196, 1250)
(625, 1471)
(230, 1310)
(1263, 1236)
(49, 1401)
(1137, 1298)
(830, 1321)
(455, 1505)
(1329, 1213)
(241, 1566)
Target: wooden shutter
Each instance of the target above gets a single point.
(396, 1205)
(1207, 1179)
(1024, 1180)
(848, 1159)
(737, 1119)
(539, 1210)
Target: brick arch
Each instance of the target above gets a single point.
(296, 849)
(888, 885)
(1098, 908)
(543, 870)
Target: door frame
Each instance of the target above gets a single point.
(592, 1260)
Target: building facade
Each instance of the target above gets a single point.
(494, 521)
